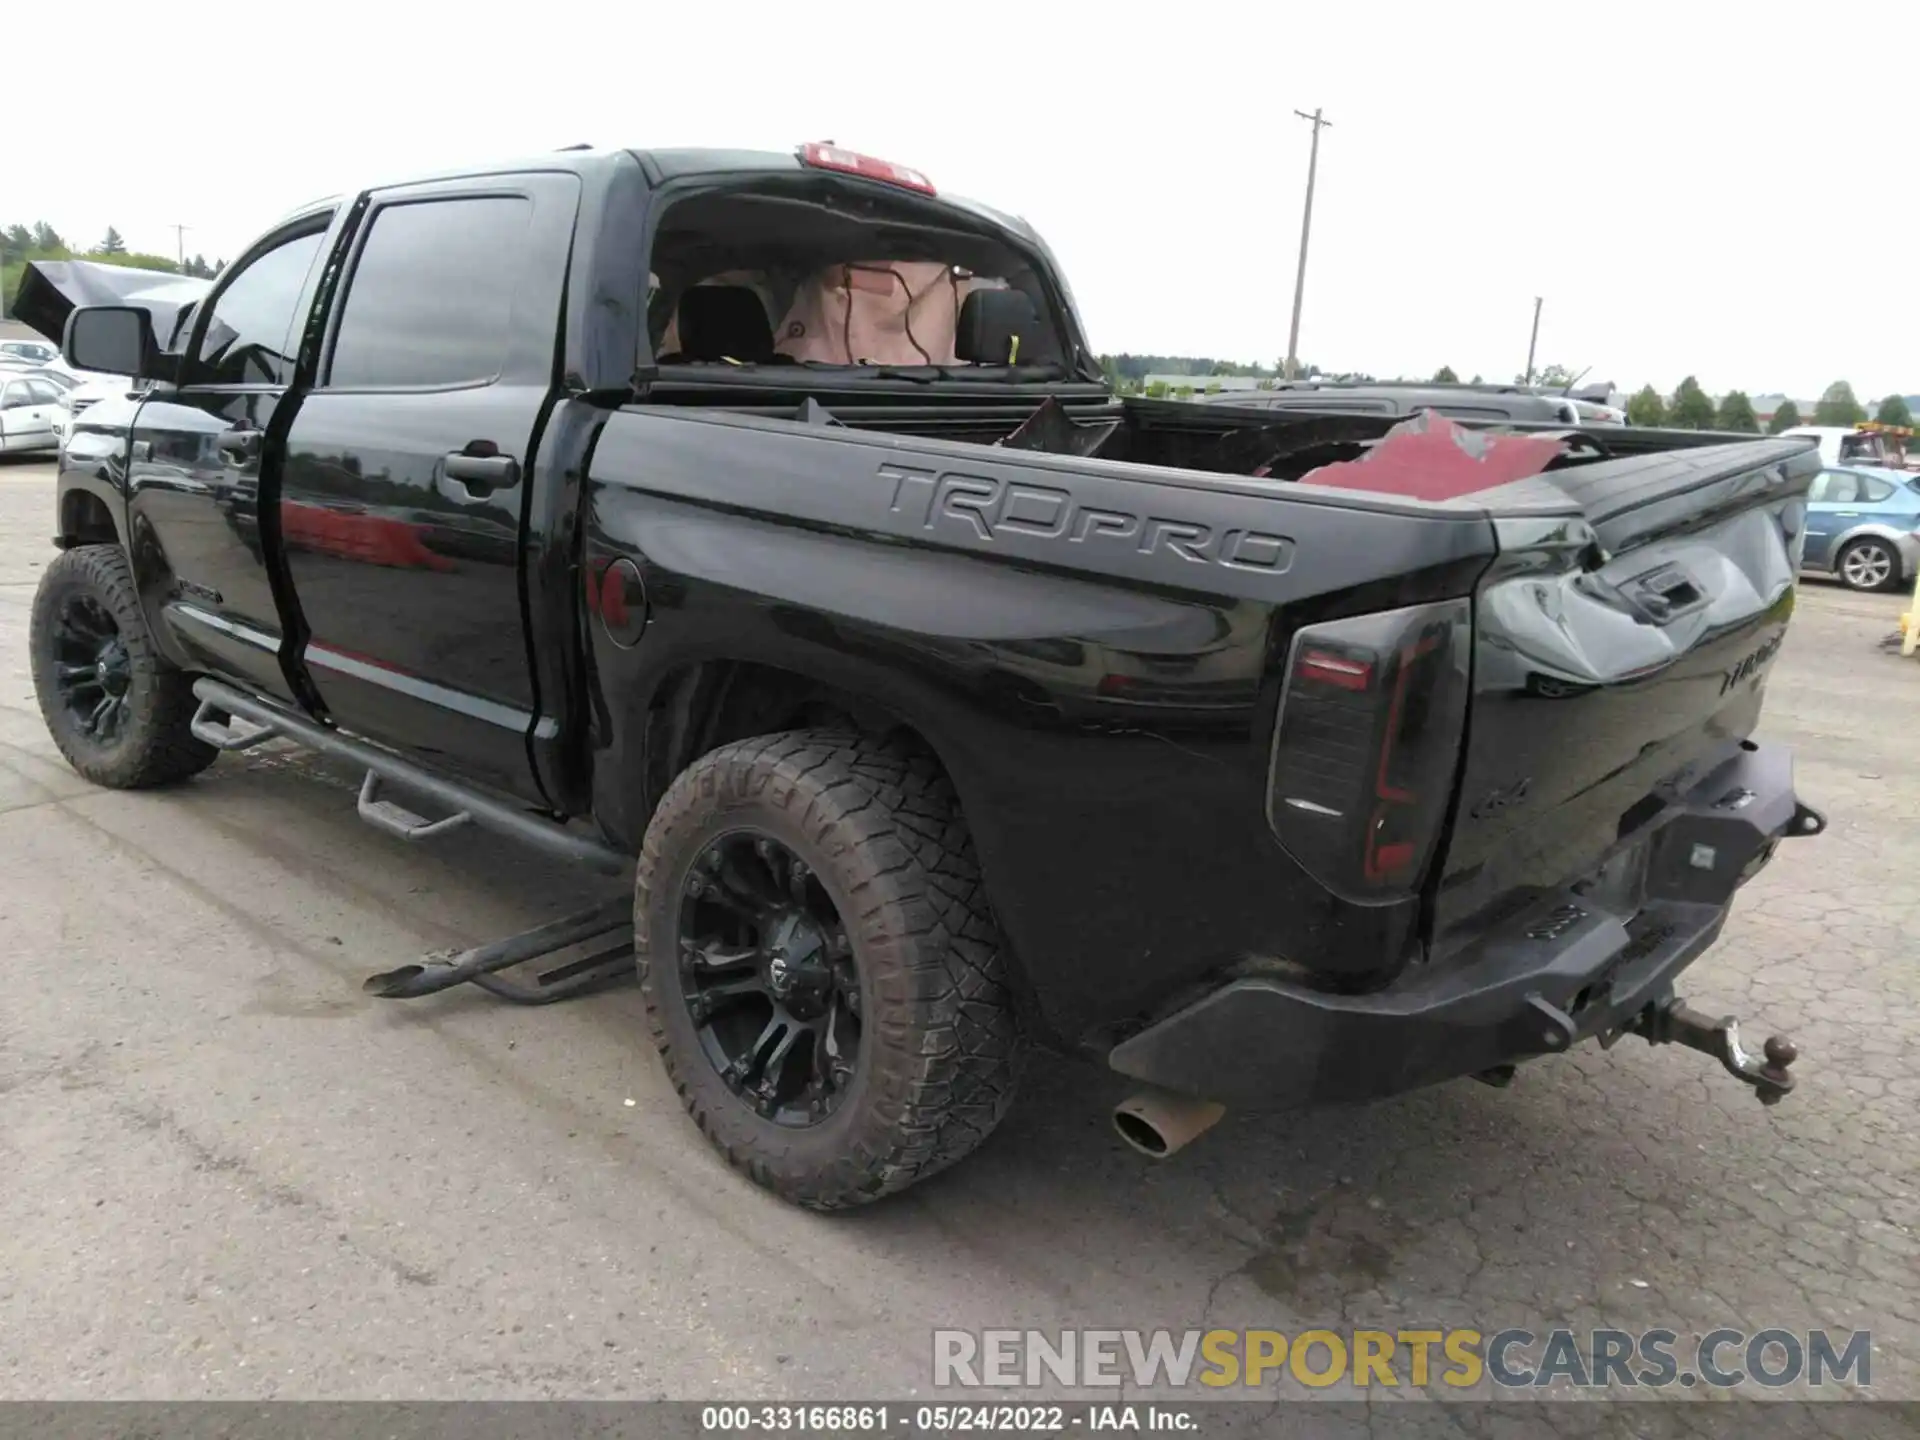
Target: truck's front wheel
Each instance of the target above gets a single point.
(116, 708)
(823, 977)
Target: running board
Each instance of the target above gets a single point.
(601, 940)
(229, 734)
(250, 720)
(397, 820)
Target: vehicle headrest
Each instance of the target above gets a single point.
(724, 322)
(991, 322)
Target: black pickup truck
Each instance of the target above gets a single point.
(764, 517)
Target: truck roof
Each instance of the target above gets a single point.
(680, 164)
(661, 166)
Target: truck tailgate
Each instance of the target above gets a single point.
(1621, 645)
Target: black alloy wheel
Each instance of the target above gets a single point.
(92, 671)
(769, 978)
(119, 711)
(823, 975)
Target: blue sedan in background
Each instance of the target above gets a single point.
(1863, 525)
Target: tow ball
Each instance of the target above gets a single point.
(1674, 1022)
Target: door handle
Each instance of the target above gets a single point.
(240, 445)
(482, 474)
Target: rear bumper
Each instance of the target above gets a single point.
(1581, 962)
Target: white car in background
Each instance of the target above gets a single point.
(27, 407)
(28, 352)
(73, 390)
(1592, 412)
(1843, 444)
(91, 386)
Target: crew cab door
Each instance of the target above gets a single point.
(407, 467)
(203, 454)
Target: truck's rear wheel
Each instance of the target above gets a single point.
(116, 708)
(823, 977)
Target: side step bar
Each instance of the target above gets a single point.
(250, 720)
(602, 938)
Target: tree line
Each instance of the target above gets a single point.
(1690, 408)
(20, 244)
(1127, 374)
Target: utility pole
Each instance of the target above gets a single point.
(1306, 227)
(180, 238)
(1533, 339)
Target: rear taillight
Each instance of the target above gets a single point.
(1371, 720)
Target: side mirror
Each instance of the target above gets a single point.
(114, 339)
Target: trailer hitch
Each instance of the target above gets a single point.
(1673, 1022)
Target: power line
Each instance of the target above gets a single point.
(1306, 228)
(180, 239)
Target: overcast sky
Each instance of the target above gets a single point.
(1691, 187)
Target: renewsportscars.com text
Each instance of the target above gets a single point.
(1459, 1358)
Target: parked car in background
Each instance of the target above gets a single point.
(1594, 412)
(61, 379)
(1844, 444)
(27, 406)
(28, 352)
(1490, 404)
(86, 389)
(1863, 526)
(73, 390)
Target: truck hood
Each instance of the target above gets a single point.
(51, 290)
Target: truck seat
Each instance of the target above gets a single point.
(886, 312)
(722, 322)
(998, 327)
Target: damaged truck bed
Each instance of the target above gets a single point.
(762, 522)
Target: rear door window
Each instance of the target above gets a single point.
(430, 299)
(1835, 487)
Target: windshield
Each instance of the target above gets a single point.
(812, 272)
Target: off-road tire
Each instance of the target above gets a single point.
(941, 1049)
(155, 745)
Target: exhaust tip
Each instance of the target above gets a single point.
(393, 984)
(1140, 1135)
(1158, 1124)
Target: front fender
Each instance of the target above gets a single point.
(93, 468)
